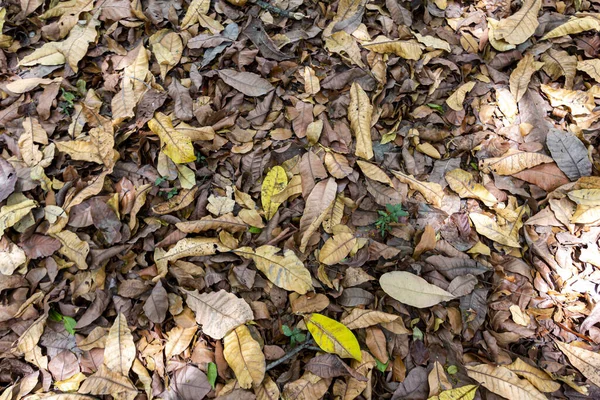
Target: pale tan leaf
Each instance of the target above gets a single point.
(337, 165)
(286, 272)
(504, 382)
(48, 54)
(359, 318)
(244, 356)
(119, 351)
(267, 390)
(167, 48)
(574, 26)
(413, 290)
(21, 86)
(360, 112)
(343, 43)
(587, 362)
(497, 43)
(513, 161)
(178, 340)
(196, 8)
(465, 186)
(218, 312)
(31, 336)
(318, 203)
(190, 247)
(559, 63)
(408, 49)
(308, 387)
(489, 228)
(456, 99)
(432, 191)
(578, 101)
(521, 25)
(438, 381)
(10, 215)
(433, 42)
(12, 257)
(538, 378)
(521, 75)
(73, 248)
(372, 171)
(75, 47)
(248, 83)
(184, 198)
(585, 197)
(311, 82)
(80, 150)
(105, 381)
(337, 248)
(590, 67)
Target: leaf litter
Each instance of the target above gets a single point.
(285, 199)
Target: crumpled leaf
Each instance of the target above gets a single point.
(8, 179)
(559, 63)
(337, 248)
(105, 381)
(412, 290)
(538, 378)
(465, 186)
(244, 356)
(73, 248)
(286, 271)
(489, 228)
(432, 191)
(333, 337)
(408, 49)
(10, 215)
(218, 312)
(190, 247)
(456, 99)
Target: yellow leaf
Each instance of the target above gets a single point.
(504, 382)
(177, 146)
(275, 182)
(48, 54)
(75, 46)
(489, 228)
(196, 7)
(178, 340)
(10, 215)
(521, 25)
(413, 290)
(432, 191)
(586, 197)
(268, 390)
(578, 101)
(286, 272)
(465, 186)
(372, 171)
(71, 384)
(408, 49)
(538, 378)
(559, 63)
(461, 393)
(521, 75)
(337, 248)
(218, 312)
(191, 247)
(105, 381)
(513, 161)
(573, 26)
(333, 337)
(587, 362)
(244, 356)
(119, 351)
(360, 112)
(167, 48)
(456, 99)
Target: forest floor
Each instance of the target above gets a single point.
(300, 200)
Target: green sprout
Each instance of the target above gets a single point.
(390, 215)
(296, 336)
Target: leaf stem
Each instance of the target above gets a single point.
(309, 342)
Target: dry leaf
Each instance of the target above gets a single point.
(587, 362)
(574, 26)
(408, 49)
(489, 228)
(246, 82)
(465, 186)
(538, 378)
(520, 77)
(519, 27)
(274, 183)
(504, 382)
(176, 145)
(412, 290)
(433, 192)
(360, 112)
(456, 99)
(513, 161)
(244, 356)
(333, 337)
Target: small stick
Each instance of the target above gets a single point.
(291, 354)
(276, 10)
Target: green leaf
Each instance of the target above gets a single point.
(452, 369)
(69, 324)
(417, 333)
(254, 229)
(381, 366)
(287, 331)
(436, 107)
(55, 316)
(211, 373)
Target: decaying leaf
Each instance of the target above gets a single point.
(489, 228)
(463, 183)
(569, 153)
(503, 382)
(521, 25)
(512, 162)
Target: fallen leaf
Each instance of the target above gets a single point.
(503, 382)
(333, 337)
(119, 351)
(520, 77)
(246, 82)
(513, 161)
(569, 153)
(274, 183)
(176, 145)
(538, 378)
(585, 361)
(456, 99)
(489, 228)
(465, 186)
(520, 26)
(244, 356)
(412, 290)
(360, 112)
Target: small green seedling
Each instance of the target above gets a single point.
(296, 336)
(66, 104)
(172, 193)
(68, 322)
(381, 366)
(159, 180)
(390, 215)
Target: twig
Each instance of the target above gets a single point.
(291, 354)
(276, 10)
